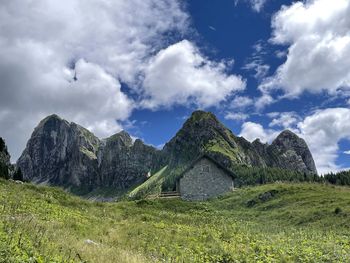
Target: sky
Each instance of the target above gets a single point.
(261, 66)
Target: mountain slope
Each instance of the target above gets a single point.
(269, 223)
(203, 133)
(124, 163)
(66, 154)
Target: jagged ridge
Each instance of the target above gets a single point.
(66, 154)
(63, 153)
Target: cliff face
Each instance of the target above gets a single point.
(203, 133)
(5, 163)
(60, 153)
(124, 163)
(66, 154)
(288, 151)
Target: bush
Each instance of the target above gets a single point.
(337, 211)
(4, 171)
(18, 175)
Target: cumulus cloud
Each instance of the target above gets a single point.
(252, 131)
(180, 74)
(283, 119)
(318, 32)
(238, 116)
(264, 100)
(241, 102)
(322, 131)
(43, 44)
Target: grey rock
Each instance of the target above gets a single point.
(66, 154)
(288, 151)
(124, 163)
(60, 153)
(203, 133)
(5, 163)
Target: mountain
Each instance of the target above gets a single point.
(290, 152)
(5, 164)
(124, 163)
(66, 154)
(204, 133)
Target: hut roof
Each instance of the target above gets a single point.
(191, 165)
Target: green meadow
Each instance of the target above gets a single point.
(280, 222)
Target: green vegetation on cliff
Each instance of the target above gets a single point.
(270, 223)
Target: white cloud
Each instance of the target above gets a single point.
(239, 116)
(347, 152)
(281, 53)
(256, 5)
(180, 74)
(252, 131)
(241, 102)
(107, 41)
(260, 70)
(322, 130)
(318, 32)
(256, 62)
(283, 119)
(264, 101)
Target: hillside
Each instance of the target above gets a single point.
(274, 222)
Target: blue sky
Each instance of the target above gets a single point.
(260, 65)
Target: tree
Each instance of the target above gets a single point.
(18, 175)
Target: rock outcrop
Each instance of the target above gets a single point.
(66, 154)
(124, 163)
(60, 153)
(5, 164)
(203, 133)
(290, 152)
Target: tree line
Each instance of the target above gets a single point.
(258, 175)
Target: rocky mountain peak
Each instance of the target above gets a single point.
(122, 138)
(286, 135)
(201, 119)
(293, 152)
(66, 154)
(202, 115)
(51, 120)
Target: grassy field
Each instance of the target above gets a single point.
(269, 223)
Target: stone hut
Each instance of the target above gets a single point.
(203, 179)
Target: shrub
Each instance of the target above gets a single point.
(337, 210)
